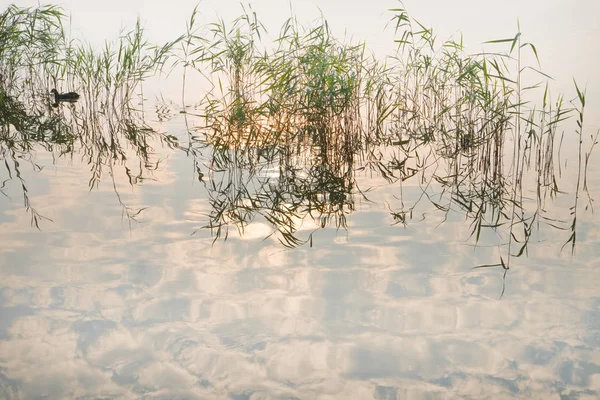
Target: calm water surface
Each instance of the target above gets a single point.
(94, 308)
(97, 305)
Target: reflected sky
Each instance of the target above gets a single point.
(93, 307)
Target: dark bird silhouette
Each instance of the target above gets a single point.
(70, 97)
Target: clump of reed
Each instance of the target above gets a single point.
(489, 122)
(307, 90)
(468, 127)
(31, 49)
(104, 126)
(307, 83)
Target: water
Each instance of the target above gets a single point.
(124, 294)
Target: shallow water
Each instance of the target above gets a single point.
(98, 305)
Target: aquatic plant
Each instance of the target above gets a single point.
(469, 126)
(36, 56)
(469, 129)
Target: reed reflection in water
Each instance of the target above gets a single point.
(344, 231)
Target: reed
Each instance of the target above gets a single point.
(35, 56)
(469, 128)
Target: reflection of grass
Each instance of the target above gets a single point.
(466, 127)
